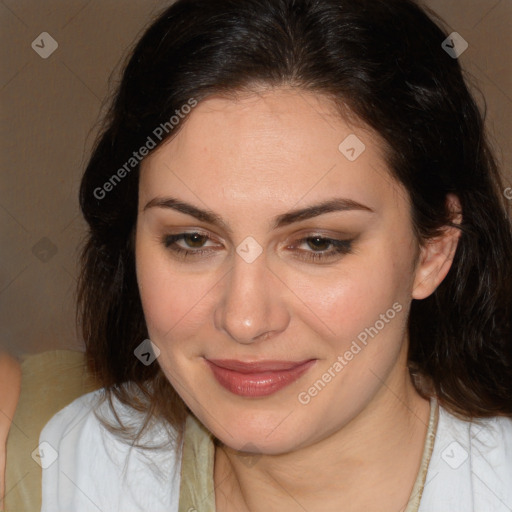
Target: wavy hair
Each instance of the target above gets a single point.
(383, 61)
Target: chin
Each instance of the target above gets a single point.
(258, 431)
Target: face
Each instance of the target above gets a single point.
(318, 297)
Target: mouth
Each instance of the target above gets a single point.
(257, 379)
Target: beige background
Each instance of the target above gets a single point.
(50, 109)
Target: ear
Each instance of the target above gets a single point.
(437, 255)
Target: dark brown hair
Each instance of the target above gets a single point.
(383, 60)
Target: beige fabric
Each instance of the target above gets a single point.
(197, 487)
(197, 490)
(50, 381)
(417, 490)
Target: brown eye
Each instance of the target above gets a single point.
(192, 244)
(319, 244)
(320, 248)
(194, 239)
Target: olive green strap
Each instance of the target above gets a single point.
(197, 493)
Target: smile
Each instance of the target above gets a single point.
(257, 379)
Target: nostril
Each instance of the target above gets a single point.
(264, 336)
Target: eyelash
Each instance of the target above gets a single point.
(340, 247)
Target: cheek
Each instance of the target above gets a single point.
(170, 299)
(352, 299)
(365, 308)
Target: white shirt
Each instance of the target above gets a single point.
(470, 469)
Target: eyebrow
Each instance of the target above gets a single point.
(337, 204)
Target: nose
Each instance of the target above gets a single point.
(252, 305)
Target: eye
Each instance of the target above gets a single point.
(194, 242)
(323, 249)
(320, 246)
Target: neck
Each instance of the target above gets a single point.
(369, 464)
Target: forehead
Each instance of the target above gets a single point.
(283, 145)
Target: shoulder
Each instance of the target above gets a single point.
(86, 467)
(471, 465)
(10, 384)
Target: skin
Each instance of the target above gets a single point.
(248, 160)
(10, 387)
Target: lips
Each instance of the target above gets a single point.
(257, 379)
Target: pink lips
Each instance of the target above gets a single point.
(258, 378)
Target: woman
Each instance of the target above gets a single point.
(296, 289)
